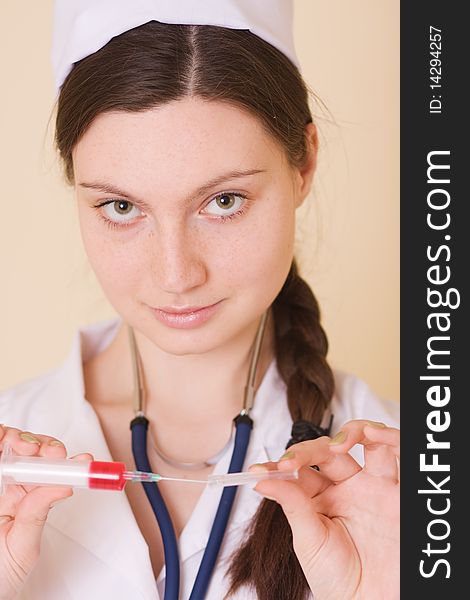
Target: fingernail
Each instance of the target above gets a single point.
(287, 456)
(376, 424)
(338, 439)
(258, 467)
(56, 443)
(28, 437)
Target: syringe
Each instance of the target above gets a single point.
(104, 475)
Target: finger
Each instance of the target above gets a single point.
(381, 445)
(313, 482)
(390, 436)
(362, 432)
(22, 442)
(380, 461)
(386, 443)
(336, 467)
(25, 530)
(308, 526)
(27, 443)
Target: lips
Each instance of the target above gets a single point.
(185, 317)
(173, 310)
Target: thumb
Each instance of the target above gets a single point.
(24, 537)
(308, 527)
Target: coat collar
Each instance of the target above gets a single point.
(91, 519)
(100, 521)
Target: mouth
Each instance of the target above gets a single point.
(182, 310)
(185, 317)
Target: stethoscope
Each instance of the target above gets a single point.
(243, 427)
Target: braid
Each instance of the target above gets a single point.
(301, 347)
(266, 561)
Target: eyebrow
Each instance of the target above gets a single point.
(102, 186)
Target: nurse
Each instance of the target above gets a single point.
(190, 146)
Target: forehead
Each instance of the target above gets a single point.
(191, 137)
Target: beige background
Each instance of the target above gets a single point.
(348, 239)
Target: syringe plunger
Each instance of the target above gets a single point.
(39, 470)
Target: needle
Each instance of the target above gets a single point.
(215, 480)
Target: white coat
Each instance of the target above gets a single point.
(92, 547)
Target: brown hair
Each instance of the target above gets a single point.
(154, 64)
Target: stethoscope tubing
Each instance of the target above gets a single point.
(139, 427)
(244, 425)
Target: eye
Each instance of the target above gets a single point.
(225, 204)
(120, 211)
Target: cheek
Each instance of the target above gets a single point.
(260, 257)
(114, 262)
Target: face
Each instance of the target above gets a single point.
(190, 204)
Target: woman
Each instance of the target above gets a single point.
(189, 160)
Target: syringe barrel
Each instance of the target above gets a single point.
(40, 470)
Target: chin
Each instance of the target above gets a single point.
(183, 343)
(221, 329)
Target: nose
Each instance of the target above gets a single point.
(179, 261)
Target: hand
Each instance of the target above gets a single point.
(24, 510)
(344, 518)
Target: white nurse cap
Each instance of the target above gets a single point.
(81, 27)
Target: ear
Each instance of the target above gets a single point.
(306, 172)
